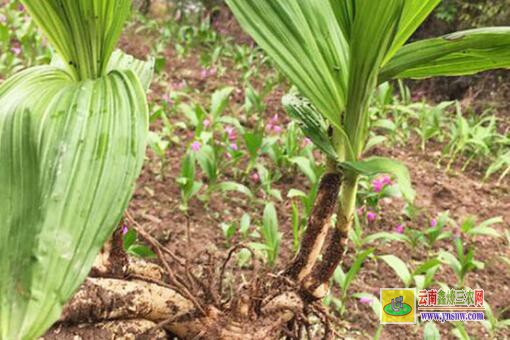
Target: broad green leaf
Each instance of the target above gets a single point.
(306, 42)
(450, 260)
(384, 235)
(219, 101)
(376, 165)
(455, 54)
(73, 139)
(270, 232)
(424, 267)
(234, 186)
(306, 166)
(89, 142)
(399, 267)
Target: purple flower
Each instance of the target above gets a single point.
(195, 146)
(399, 229)
(125, 229)
(433, 223)
(233, 146)
(366, 300)
(371, 216)
(21, 8)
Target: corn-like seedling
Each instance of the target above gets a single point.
(72, 143)
(336, 52)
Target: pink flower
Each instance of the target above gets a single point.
(231, 132)
(306, 141)
(16, 48)
(371, 216)
(207, 122)
(399, 229)
(195, 146)
(366, 300)
(386, 180)
(206, 73)
(360, 210)
(179, 86)
(273, 126)
(167, 100)
(379, 183)
(433, 223)
(3, 19)
(233, 146)
(124, 229)
(255, 177)
(21, 8)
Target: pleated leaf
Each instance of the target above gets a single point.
(75, 150)
(373, 32)
(306, 42)
(460, 53)
(414, 14)
(72, 144)
(84, 32)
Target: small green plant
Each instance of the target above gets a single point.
(493, 323)
(132, 247)
(344, 280)
(471, 228)
(501, 163)
(431, 121)
(462, 262)
(270, 233)
(436, 231)
(187, 183)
